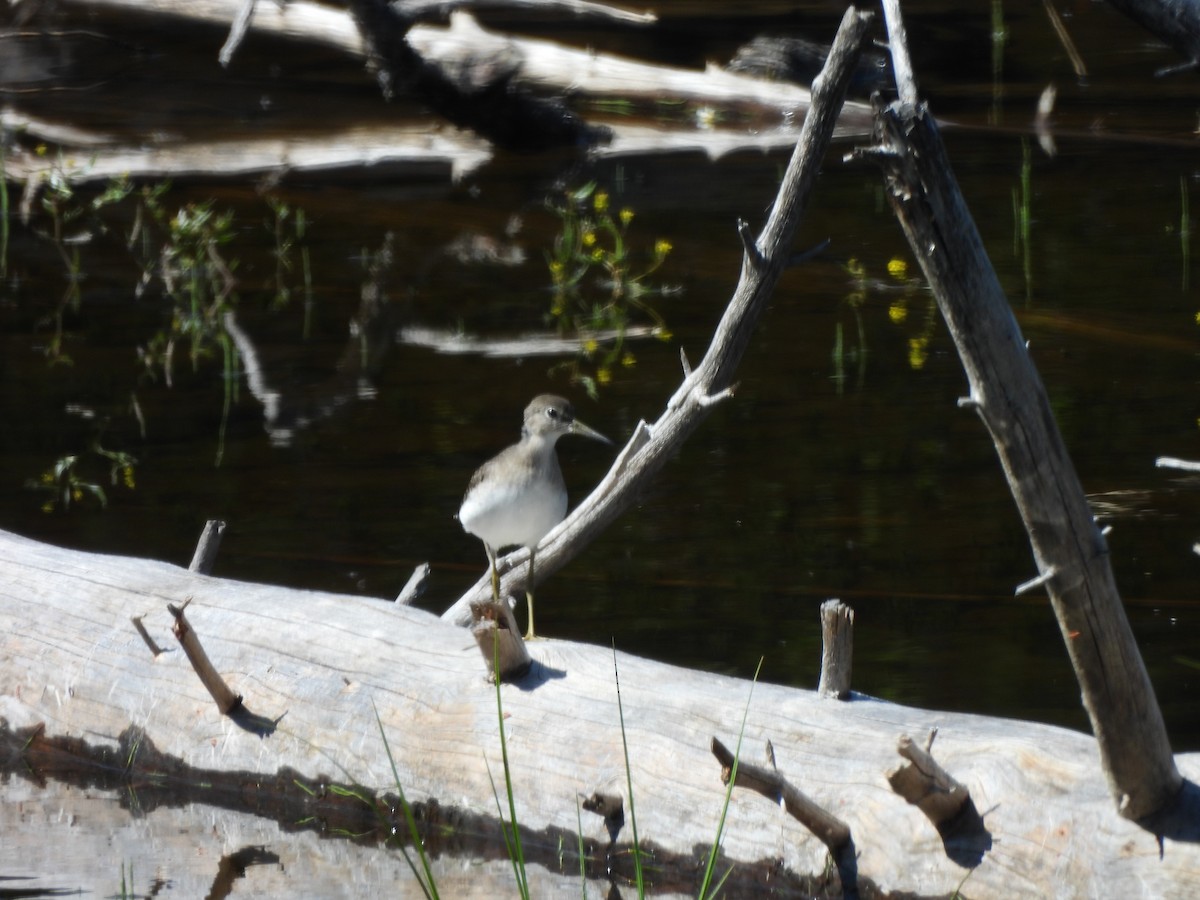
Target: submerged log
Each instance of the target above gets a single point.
(321, 665)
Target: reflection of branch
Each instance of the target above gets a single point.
(288, 408)
(431, 9)
(763, 263)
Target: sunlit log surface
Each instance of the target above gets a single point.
(317, 665)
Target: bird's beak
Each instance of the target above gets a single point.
(582, 430)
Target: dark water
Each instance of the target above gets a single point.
(848, 474)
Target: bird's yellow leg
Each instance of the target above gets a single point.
(495, 575)
(529, 634)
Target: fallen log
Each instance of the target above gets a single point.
(770, 112)
(73, 667)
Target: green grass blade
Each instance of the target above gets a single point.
(515, 853)
(427, 883)
(706, 889)
(582, 852)
(637, 853)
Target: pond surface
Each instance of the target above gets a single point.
(842, 468)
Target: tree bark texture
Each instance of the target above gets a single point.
(1008, 394)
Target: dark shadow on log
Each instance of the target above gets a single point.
(539, 673)
(965, 837)
(480, 94)
(1179, 820)
(144, 779)
(610, 807)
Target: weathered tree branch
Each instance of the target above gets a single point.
(1009, 397)
(764, 261)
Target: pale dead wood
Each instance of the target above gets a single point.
(227, 701)
(1007, 393)
(837, 649)
(321, 664)
(415, 586)
(539, 65)
(925, 784)
(579, 9)
(414, 148)
(495, 630)
(832, 831)
(1171, 462)
(208, 545)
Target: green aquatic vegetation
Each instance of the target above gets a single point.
(1022, 202)
(906, 294)
(75, 478)
(600, 284)
(186, 256)
(1185, 232)
(72, 222)
(288, 226)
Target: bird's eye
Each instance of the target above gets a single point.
(552, 412)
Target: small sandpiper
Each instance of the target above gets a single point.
(517, 496)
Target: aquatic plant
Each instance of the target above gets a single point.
(600, 284)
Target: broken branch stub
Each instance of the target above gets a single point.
(227, 701)
(495, 632)
(925, 784)
(828, 828)
(837, 649)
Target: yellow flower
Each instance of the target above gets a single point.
(628, 360)
(598, 254)
(604, 376)
(127, 474)
(76, 494)
(590, 346)
(47, 478)
(897, 268)
(589, 238)
(625, 215)
(662, 247)
(898, 312)
(600, 201)
(48, 506)
(556, 269)
(855, 268)
(664, 334)
(1198, 318)
(918, 352)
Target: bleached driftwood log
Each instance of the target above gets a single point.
(318, 665)
(543, 66)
